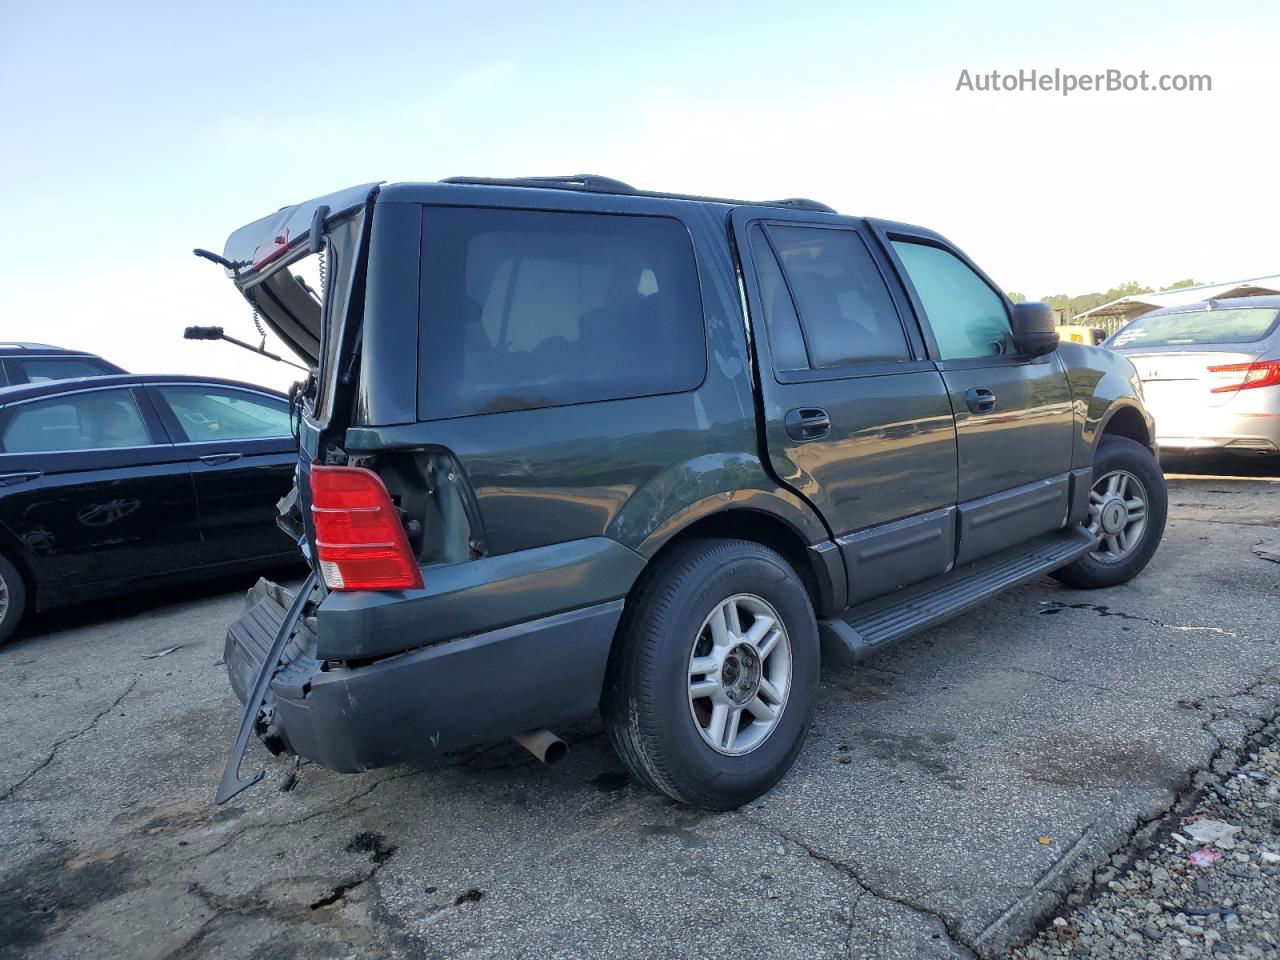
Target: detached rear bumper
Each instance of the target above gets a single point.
(426, 702)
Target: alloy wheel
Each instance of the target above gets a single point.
(1117, 515)
(739, 674)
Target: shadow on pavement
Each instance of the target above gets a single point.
(1220, 466)
(107, 609)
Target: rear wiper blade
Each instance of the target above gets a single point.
(233, 266)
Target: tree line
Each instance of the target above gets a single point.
(1069, 306)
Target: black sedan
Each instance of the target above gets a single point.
(119, 483)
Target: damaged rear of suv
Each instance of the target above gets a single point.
(570, 448)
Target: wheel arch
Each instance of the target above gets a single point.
(771, 522)
(1104, 385)
(1127, 420)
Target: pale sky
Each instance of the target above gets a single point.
(133, 132)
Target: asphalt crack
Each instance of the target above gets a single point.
(255, 905)
(338, 810)
(1104, 611)
(1119, 859)
(379, 852)
(1043, 884)
(377, 783)
(1056, 679)
(59, 744)
(338, 814)
(1218, 706)
(848, 870)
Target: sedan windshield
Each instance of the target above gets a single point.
(1241, 325)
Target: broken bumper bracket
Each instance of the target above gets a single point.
(232, 783)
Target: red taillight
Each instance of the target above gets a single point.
(1264, 373)
(360, 541)
(272, 249)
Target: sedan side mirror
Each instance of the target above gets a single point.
(1033, 329)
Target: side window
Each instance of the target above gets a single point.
(780, 317)
(524, 309)
(95, 420)
(968, 318)
(845, 307)
(219, 413)
(42, 369)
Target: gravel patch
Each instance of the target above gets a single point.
(1218, 896)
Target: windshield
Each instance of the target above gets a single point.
(1240, 325)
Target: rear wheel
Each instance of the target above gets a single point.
(1127, 509)
(712, 686)
(13, 599)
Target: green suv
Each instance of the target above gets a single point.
(570, 448)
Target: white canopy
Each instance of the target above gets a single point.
(1134, 306)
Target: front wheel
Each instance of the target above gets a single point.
(712, 686)
(1127, 509)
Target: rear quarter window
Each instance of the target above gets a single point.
(523, 309)
(209, 414)
(43, 369)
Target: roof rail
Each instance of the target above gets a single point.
(802, 203)
(591, 182)
(594, 183)
(28, 345)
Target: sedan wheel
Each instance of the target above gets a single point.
(13, 599)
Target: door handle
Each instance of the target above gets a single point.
(807, 423)
(213, 459)
(980, 400)
(11, 479)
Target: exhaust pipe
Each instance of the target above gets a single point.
(544, 745)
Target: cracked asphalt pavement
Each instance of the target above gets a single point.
(953, 789)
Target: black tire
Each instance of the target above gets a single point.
(14, 593)
(1120, 453)
(646, 702)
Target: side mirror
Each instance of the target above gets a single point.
(1033, 329)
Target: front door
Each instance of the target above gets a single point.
(857, 418)
(242, 455)
(1013, 413)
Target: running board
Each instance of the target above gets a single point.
(869, 627)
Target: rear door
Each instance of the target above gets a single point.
(240, 448)
(1014, 420)
(91, 490)
(857, 419)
